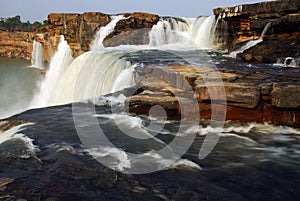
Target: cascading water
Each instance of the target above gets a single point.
(37, 55)
(91, 75)
(168, 31)
(105, 31)
(125, 79)
(220, 32)
(193, 32)
(99, 71)
(60, 61)
(251, 43)
(202, 32)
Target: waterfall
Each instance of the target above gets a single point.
(102, 71)
(202, 32)
(37, 58)
(105, 31)
(251, 43)
(168, 31)
(60, 61)
(220, 33)
(192, 32)
(91, 75)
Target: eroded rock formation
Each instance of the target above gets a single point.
(16, 44)
(246, 22)
(250, 95)
(79, 29)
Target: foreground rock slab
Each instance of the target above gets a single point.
(253, 96)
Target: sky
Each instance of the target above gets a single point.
(38, 10)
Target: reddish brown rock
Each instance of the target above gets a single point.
(246, 22)
(78, 29)
(235, 94)
(16, 44)
(286, 96)
(245, 101)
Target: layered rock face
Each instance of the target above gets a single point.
(16, 44)
(246, 22)
(248, 95)
(78, 29)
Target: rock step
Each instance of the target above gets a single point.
(166, 87)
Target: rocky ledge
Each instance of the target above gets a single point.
(250, 94)
(246, 22)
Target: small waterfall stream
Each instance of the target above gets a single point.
(251, 43)
(37, 58)
(105, 31)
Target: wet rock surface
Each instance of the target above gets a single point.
(269, 95)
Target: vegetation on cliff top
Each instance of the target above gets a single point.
(15, 24)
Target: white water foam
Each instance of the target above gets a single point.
(109, 100)
(163, 163)
(131, 126)
(119, 160)
(264, 128)
(10, 133)
(105, 31)
(18, 144)
(115, 157)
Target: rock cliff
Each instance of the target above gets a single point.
(78, 29)
(16, 44)
(246, 22)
